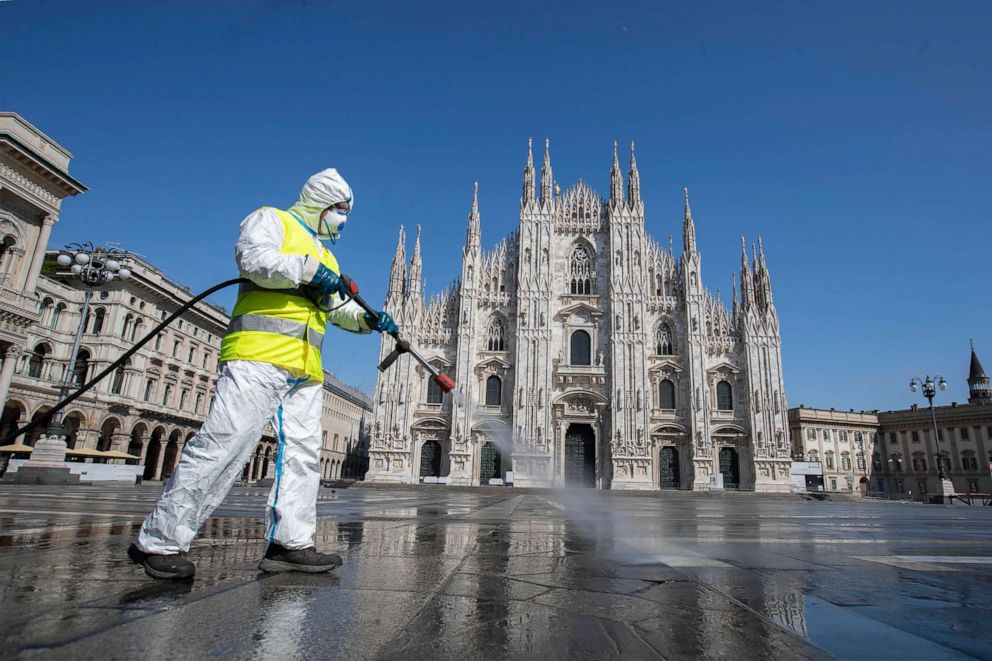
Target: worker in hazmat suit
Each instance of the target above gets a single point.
(271, 370)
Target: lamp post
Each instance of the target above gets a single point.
(929, 390)
(92, 267)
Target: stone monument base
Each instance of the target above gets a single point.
(41, 475)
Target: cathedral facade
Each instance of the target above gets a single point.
(586, 355)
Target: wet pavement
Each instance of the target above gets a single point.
(496, 574)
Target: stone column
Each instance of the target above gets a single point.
(7, 371)
(34, 270)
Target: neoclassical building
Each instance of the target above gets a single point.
(895, 452)
(587, 354)
(152, 405)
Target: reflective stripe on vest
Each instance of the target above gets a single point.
(287, 327)
(282, 327)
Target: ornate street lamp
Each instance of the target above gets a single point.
(929, 390)
(93, 267)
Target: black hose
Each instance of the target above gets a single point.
(120, 361)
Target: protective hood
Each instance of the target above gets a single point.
(323, 189)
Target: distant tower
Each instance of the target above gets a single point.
(979, 390)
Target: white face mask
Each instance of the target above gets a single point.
(331, 224)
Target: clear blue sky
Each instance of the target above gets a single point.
(854, 137)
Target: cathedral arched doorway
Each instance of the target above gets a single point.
(580, 456)
(430, 459)
(669, 467)
(489, 463)
(730, 468)
(171, 454)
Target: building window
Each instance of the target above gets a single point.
(916, 437)
(845, 462)
(964, 433)
(175, 348)
(81, 367)
(206, 357)
(158, 342)
(826, 435)
(724, 396)
(861, 462)
(893, 439)
(199, 402)
(183, 398)
(833, 484)
(37, 361)
(336, 436)
(842, 435)
(969, 461)
(118, 384)
(972, 486)
(167, 395)
(581, 271)
(192, 354)
(138, 332)
(829, 457)
(814, 456)
(56, 314)
(666, 392)
(494, 391)
(665, 342)
(581, 348)
(434, 393)
(497, 331)
(811, 434)
(922, 486)
(859, 438)
(149, 389)
(896, 460)
(98, 318)
(919, 463)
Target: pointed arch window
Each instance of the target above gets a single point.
(666, 392)
(581, 271)
(494, 391)
(665, 340)
(724, 396)
(496, 337)
(580, 348)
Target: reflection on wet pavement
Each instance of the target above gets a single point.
(494, 573)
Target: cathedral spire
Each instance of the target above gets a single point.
(616, 179)
(397, 275)
(688, 227)
(546, 176)
(415, 284)
(529, 186)
(633, 179)
(733, 280)
(473, 235)
(746, 282)
(764, 278)
(979, 389)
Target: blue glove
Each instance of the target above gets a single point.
(385, 323)
(328, 282)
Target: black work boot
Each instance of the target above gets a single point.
(308, 560)
(172, 566)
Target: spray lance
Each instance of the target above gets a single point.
(402, 346)
(444, 381)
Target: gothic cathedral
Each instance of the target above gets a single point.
(586, 355)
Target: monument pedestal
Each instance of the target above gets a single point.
(46, 465)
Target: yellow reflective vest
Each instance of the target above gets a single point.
(283, 327)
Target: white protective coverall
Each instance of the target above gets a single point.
(251, 393)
